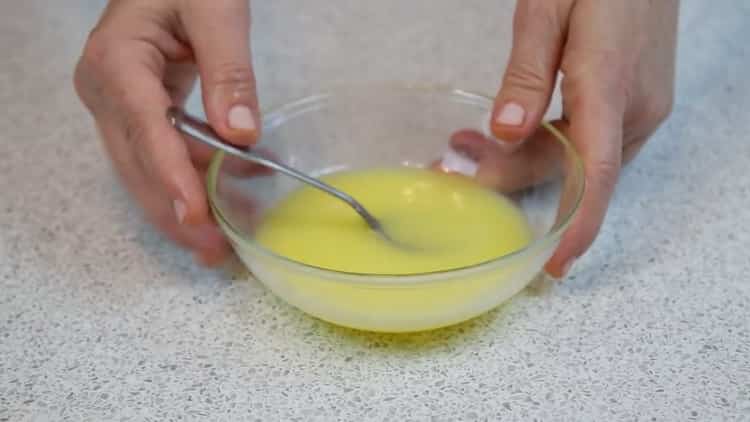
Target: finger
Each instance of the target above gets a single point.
(538, 36)
(219, 33)
(596, 121)
(159, 148)
(497, 167)
(206, 240)
(213, 258)
(599, 68)
(157, 207)
(536, 161)
(217, 253)
(207, 243)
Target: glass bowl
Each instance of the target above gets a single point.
(387, 126)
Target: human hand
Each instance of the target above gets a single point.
(617, 60)
(144, 56)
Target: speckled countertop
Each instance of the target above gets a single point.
(101, 319)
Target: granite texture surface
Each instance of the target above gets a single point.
(101, 319)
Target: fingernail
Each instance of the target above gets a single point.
(180, 210)
(512, 114)
(241, 118)
(568, 265)
(455, 162)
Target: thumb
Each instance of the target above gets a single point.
(219, 33)
(538, 35)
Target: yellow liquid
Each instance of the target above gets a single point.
(447, 221)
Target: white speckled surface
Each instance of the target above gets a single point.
(101, 319)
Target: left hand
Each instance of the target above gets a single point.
(617, 58)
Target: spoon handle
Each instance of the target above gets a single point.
(201, 131)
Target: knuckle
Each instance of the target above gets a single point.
(617, 78)
(96, 55)
(81, 83)
(598, 71)
(527, 76)
(235, 76)
(98, 50)
(134, 131)
(535, 15)
(621, 81)
(604, 173)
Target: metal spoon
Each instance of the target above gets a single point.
(200, 130)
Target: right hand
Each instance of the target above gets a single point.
(144, 56)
